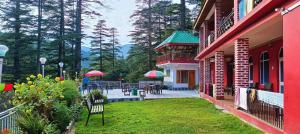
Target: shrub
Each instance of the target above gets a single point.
(44, 104)
(62, 116)
(5, 98)
(70, 92)
(35, 124)
(76, 111)
(96, 95)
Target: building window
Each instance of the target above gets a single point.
(281, 74)
(182, 76)
(168, 72)
(264, 68)
(251, 71)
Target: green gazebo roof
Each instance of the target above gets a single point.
(180, 37)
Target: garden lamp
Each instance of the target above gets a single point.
(43, 61)
(61, 65)
(3, 50)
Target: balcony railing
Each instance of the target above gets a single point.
(226, 23)
(256, 2)
(267, 106)
(210, 39)
(176, 58)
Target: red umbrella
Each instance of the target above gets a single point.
(94, 73)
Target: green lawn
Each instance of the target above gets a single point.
(164, 116)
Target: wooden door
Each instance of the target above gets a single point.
(192, 78)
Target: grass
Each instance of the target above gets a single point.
(164, 116)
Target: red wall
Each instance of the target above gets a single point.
(273, 49)
(291, 47)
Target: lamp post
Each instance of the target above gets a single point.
(43, 62)
(76, 75)
(3, 50)
(61, 65)
(64, 74)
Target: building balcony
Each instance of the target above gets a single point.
(176, 58)
(225, 24)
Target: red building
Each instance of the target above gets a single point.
(248, 60)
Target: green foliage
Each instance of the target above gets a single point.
(38, 94)
(35, 124)
(70, 92)
(5, 99)
(76, 111)
(62, 116)
(47, 99)
(96, 95)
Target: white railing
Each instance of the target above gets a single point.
(8, 121)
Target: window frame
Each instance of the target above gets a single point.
(251, 71)
(262, 72)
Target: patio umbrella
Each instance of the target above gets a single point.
(154, 74)
(94, 73)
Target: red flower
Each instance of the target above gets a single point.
(8, 87)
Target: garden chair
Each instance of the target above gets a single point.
(95, 107)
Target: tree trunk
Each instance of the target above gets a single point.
(182, 15)
(61, 33)
(17, 42)
(40, 13)
(113, 43)
(149, 35)
(78, 38)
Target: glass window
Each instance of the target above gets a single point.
(168, 72)
(264, 68)
(250, 70)
(182, 76)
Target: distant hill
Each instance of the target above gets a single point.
(86, 51)
(124, 49)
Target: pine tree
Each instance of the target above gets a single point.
(98, 45)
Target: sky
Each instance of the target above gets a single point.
(118, 16)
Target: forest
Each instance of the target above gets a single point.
(54, 29)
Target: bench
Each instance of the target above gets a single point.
(95, 107)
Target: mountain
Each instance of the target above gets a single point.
(85, 52)
(124, 49)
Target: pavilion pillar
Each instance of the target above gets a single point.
(241, 58)
(219, 75)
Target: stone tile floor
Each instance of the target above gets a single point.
(118, 94)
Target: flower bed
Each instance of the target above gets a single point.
(47, 105)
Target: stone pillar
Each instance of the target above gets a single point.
(206, 73)
(201, 76)
(241, 64)
(218, 16)
(219, 75)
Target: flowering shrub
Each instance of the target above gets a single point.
(44, 97)
(38, 94)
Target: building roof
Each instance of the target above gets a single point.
(181, 38)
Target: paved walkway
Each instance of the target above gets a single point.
(117, 94)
